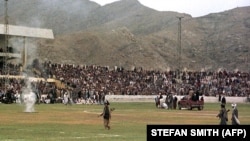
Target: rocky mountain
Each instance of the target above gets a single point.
(126, 33)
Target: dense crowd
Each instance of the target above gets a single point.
(148, 82)
(95, 81)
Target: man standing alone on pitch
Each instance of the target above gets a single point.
(106, 115)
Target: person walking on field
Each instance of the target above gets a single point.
(234, 119)
(223, 115)
(106, 114)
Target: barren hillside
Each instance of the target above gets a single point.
(126, 33)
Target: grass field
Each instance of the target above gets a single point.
(58, 122)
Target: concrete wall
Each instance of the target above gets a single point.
(150, 98)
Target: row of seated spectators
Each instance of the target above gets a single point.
(11, 69)
(146, 82)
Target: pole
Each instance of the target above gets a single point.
(179, 47)
(6, 43)
(24, 54)
(6, 32)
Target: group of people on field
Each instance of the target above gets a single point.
(223, 113)
(169, 101)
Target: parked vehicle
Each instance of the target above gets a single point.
(188, 103)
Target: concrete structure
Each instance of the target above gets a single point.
(15, 55)
(151, 98)
(24, 32)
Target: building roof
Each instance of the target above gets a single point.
(17, 55)
(23, 31)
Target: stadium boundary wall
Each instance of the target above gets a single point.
(151, 98)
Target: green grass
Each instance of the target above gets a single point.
(58, 122)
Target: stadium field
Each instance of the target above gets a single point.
(58, 122)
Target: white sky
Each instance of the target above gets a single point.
(195, 8)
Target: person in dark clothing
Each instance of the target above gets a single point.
(223, 115)
(175, 102)
(106, 114)
(170, 104)
(158, 99)
(219, 98)
(223, 100)
(198, 93)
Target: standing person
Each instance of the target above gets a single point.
(157, 100)
(223, 100)
(234, 119)
(171, 99)
(66, 97)
(223, 115)
(175, 101)
(106, 115)
(219, 98)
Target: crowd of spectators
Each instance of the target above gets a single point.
(94, 80)
(149, 82)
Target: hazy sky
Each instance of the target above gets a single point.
(195, 8)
